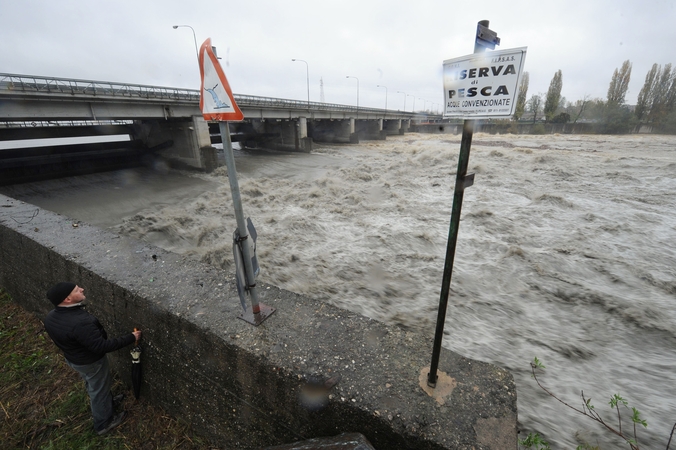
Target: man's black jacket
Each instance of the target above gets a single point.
(80, 335)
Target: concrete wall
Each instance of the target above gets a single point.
(249, 387)
(505, 127)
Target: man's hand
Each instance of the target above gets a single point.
(137, 334)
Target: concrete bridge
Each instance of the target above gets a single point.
(168, 121)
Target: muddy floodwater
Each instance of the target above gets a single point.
(566, 252)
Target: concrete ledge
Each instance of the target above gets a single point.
(250, 387)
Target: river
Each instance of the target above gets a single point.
(565, 252)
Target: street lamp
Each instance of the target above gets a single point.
(409, 95)
(307, 73)
(405, 95)
(194, 38)
(385, 94)
(348, 76)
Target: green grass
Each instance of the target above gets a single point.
(44, 405)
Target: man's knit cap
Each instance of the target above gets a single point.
(60, 291)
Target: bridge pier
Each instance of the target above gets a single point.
(185, 141)
(279, 134)
(330, 130)
(405, 126)
(304, 141)
(354, 136)
(370, 129)
(394, 127)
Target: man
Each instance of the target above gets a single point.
(85, 343)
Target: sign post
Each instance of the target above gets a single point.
(480, 85)
(218, 103)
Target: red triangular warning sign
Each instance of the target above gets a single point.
(216, 99)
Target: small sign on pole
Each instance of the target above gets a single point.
(218, 103)
(483, 85)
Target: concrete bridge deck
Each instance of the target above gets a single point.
(28, 98)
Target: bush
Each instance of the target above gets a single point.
(561, 118)
(538, 128)
(618, 120)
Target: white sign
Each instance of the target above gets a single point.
(483, 85)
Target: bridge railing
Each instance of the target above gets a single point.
(272, 102)
(37, 85)
(74, 87)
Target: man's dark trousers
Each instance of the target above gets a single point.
(98, 382)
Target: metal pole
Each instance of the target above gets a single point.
(385, 94)
(460, 183)
(405, 95)
(197, 53)
(307, 75)
(348, 76)
(239, 216)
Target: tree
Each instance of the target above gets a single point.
(534, 105)
(629, 434)
(561, 118)
(658, 108)
(617, 120)
(619, 85)
(581, 104)
(553, 96)
(645, 96)
(657, 98)
(521, 98)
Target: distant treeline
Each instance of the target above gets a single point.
(655, 109)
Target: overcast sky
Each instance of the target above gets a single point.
(397, 44)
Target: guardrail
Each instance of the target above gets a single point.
(74, 87)
(30, 84)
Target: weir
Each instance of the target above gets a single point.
(243, 386)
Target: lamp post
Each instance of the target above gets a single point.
(413, 110)
(348, 76)
(385, 94)
(405, 95)
(424, 103)
(307, 73)
(194, 38)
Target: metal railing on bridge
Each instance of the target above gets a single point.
(36, 85)
(10, 83)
